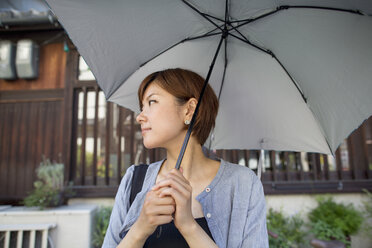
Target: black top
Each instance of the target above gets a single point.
(168, 236)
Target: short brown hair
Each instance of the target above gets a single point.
(184, 85)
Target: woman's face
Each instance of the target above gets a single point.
(161, 119)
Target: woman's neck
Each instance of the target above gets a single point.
(192, 162)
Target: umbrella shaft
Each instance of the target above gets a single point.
(189, 130)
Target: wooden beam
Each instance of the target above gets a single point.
(70, 116)
(108, 141)
(299, 161)
(246, 157)
(346, 186)
(326, 167)
(95, 135)
(286, 165)
(119, 135)
(273, 165)
(18, 96)
(339, 164)
(350, 151)
(83, 137)
(35, 30)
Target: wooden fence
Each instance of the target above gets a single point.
(107, 140)
(31, 126)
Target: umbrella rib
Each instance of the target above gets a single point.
(184, 40)
(245, 38)
(274, 56)
(246, 21)
(222, 83)
(226, 12)
(285, 7)
(269, 52)
(216, 18)
(202, 36)
(224, 70)
(202, 14)
(208, 34)
(329, 146)
(289, 75)
(250, 43)
(283, 67)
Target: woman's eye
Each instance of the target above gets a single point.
(151, 102)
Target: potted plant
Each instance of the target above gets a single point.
(49, 189)
(334, 221)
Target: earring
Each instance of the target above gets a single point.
(187, 122)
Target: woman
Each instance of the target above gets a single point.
(207, 203)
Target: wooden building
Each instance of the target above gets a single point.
(63, 115)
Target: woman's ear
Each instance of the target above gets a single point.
(190, 108)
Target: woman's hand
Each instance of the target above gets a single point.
(179, 188)
(156, 211)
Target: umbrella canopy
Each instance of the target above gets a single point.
(291, 75)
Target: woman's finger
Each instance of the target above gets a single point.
(155, 211)
(172, 182)
(161, 219)
(169, 182)
(153, 199)
(174, 173)
(179, 197)
(167, 200)
(160, 210)
(178, 174)
(169, 179)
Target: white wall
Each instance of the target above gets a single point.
(302, 204)
(95, 201)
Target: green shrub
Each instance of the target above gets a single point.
(331, 220)
(42, 196)
(49, 189)
(324, 231)
(368, 214)
(368, 204)
(102, 219)
(289, 230)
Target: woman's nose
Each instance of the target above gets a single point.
(140, 118)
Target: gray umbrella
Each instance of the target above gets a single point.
(290, 75)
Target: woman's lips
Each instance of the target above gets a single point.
(145, 130)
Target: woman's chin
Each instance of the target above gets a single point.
(149, 145)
